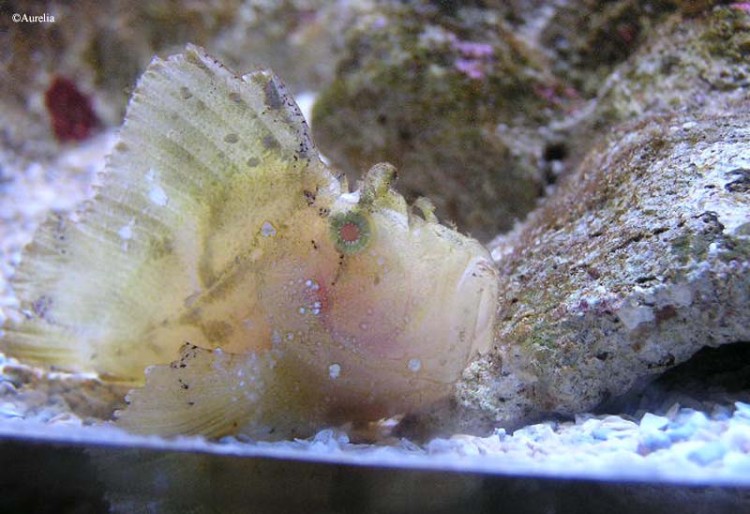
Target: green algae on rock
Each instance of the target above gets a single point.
(686, 64)
(215, 242)
(587, 38)
(454, 102)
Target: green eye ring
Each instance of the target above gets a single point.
(350, 231)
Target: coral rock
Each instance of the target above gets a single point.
(641, 258)
(453, 101)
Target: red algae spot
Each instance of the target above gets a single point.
(72, 116)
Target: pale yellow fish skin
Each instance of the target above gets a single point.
(219, 238)
(173, 225)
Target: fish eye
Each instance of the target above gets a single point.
(350, 231)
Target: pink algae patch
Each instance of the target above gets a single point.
(474, 58)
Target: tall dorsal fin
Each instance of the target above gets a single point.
(205, 160)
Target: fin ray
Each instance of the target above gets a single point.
(205, 392)
(204, 159)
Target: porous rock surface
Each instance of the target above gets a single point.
(640, 258)
(586, 39)
(641, 255)
(688, 64)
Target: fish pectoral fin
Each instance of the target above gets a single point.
(207, 392)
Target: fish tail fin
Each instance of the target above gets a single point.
(32, 331)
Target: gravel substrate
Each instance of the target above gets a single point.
(684, 445)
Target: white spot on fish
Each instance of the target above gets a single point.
(126, 231)
(267, 230)
(126, 234)
(414, 365)
(334, 371)
(158, 196)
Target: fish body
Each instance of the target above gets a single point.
(225, 271)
